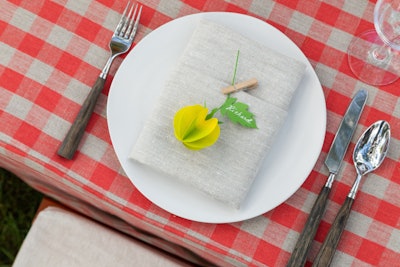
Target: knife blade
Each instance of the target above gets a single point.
(333, 162)
(345, 133)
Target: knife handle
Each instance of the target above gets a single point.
(75, 133)
(328, 248)
(299, 254)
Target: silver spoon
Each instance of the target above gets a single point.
(368, 155)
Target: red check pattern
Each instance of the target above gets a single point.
(51, 53)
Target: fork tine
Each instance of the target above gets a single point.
(131, 21)
(126, 21)
(122, 20)
(133, 33)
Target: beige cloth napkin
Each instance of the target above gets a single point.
(226, 170)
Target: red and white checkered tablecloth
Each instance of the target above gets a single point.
(51, 52)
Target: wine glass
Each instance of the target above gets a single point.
(374, 56)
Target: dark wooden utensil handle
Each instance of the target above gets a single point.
(75, 133)
(299, 254)
(328, 248)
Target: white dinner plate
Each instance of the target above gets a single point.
(137, 84)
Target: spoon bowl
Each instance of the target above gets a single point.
(370, 151)
(372, 147)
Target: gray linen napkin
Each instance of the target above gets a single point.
(226, 170)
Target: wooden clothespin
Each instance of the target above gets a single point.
(249, 84)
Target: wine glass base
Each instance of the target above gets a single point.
(372, 61)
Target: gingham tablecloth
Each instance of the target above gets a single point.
(51, 52)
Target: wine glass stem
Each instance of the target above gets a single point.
(381, 54)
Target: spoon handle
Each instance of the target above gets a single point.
(299, 254)
(328, 248)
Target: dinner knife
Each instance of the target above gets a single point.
(333, 161)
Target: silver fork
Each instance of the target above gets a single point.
(120, 43)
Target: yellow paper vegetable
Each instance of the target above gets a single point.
(192, 128)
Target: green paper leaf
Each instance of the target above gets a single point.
(211, 114)
(238, 112)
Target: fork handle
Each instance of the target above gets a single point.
(75, 133)
(299, 254)
(328, 248)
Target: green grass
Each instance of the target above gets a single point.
(18, 205)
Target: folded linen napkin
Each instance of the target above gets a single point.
(226, 170)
